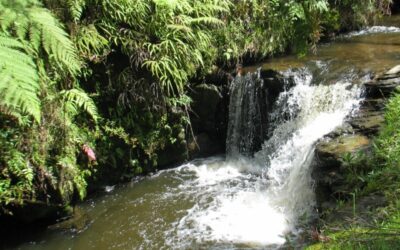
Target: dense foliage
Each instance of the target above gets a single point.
(112, 76)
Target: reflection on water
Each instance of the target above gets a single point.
(377, 52)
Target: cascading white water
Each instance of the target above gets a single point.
(373, 30)
(314, 110)
(259, 200)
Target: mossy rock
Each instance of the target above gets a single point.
(369, 123)
(335, 149)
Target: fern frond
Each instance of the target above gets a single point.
(19, 80)
(55, 40)
(76, 8)
(81, 99)
(207, 20)
(89, 41)
(28, 21)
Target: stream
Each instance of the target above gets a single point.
(261, 201)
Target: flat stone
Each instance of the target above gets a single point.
(329, 153)
(374, 104)
(381, 87)
(394, 70)
(344, 129)
(343, 144)
(368, 123)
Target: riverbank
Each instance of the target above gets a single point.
(357, 174)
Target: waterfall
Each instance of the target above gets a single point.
(247, 116)
(262, 208)
(261, 197)
(305, 113)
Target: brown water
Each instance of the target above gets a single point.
(376, 52)
(218, 204)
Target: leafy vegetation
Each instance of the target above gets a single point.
(112, 77)
(378, 173)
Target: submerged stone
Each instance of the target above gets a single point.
(77, 222)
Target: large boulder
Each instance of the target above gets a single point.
(174, 153)
(331, 154)
(206, 99)
(368, 122)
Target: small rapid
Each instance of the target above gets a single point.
(259, 200)
(372, 30)
(257, 196)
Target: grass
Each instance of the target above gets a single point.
(382, 230)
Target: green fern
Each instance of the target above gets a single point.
(31, 38)
(76, 8)
(19, 80)
(38, 28)
(78, 98)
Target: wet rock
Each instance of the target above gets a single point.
(206, 98)
(210, 111)
(77, 222)
(394, 70)
(273, 81)
(346, 128)
(359, 211)
(328, 175)
(202, 145)
(373, 104)
(385, 84)
(368, 122)
(330, 152)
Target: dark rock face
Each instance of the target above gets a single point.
(210, 111)
(252, 99)
(351, 138)
(174, 153)
(383, 85)
(202, 145)
(209, 119)
(360, 211)
(206, 101)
